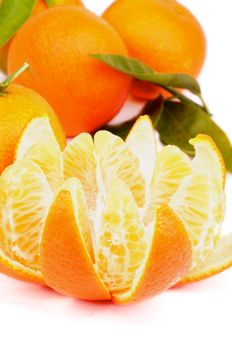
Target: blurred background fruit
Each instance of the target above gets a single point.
(18, 106)
(40, 6)
(161, 33)
(57, 44)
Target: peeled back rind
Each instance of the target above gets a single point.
(218, 261)
(16, 270)
(168, 260)
(62, 243)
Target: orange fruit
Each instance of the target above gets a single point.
(95, 242)
(39, 7)
(57, 45)
(18, 106)
(161, 33)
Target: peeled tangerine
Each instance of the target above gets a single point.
(108, 219)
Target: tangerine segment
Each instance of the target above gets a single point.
(220, 260)
(52, 43)
(196, 203)
(66, 263)
(25, 196)
(16, 270)
(80, 162)
(117, 161)
(168, 260)
(121, 243)
(38, 143)
(208, 158)
(172, 165)
(141, 141)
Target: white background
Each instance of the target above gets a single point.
(193, 317)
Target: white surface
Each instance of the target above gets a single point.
(194, 317)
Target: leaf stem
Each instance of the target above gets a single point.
(204, 105)
(9, 80)
(185, 99)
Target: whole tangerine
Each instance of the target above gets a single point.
(57, 44)
(163, 34)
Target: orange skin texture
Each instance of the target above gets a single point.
(17, 108)
(163, 34)
(40, 6)
(67, 267)
(169, 259)
(84, 92)
(65, 262)
(147, 91)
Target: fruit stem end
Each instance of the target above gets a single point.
(9, 80)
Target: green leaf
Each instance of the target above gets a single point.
(153, 109)
(13, 13)
(180, 122)
(143, 72)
